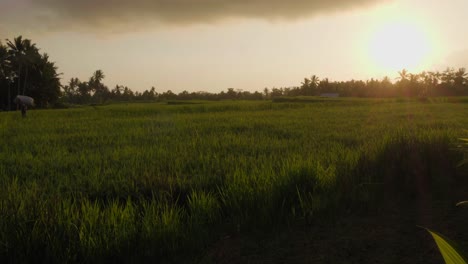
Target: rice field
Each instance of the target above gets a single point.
(162, 181)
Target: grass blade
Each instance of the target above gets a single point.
(448, 251)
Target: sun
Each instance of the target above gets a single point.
(400, 45)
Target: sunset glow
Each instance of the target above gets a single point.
(246, 45)
(400, 44)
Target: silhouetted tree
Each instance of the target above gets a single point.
(100, 92)
(460, 81)
(17, 52)
(23, 67)
(6, 77)
(71, 92)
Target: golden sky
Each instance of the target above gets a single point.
(210, 45)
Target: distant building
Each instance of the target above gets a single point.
(333, 95)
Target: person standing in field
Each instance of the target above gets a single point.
(22, 102)
(24, 108)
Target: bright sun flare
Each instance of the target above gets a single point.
(400, 45)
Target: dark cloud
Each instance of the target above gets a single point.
(112, 13)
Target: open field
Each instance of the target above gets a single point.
(162, 181)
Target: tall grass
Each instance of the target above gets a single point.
(151, 181)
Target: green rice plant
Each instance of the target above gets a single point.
(204, 208)
(162, 226)
(319, 194)
(125, 180)
(449, 252)
(90, 228)
(121, 225)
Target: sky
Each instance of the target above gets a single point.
(212, 45)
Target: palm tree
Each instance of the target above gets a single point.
(97, 77)
(95, 80)
(30, 71)
(434, 77)
(402, 84)
(3, 60)
(17, 50)
(25, 55)
(96, 86)
(314, 83)
(30, 59)
(414, 88)
(117, 91)
(386, 80)
(460, 76)
(448, 76)
(314, 80)
(459, 81)
(266, 92)
(5, 70)
(309, 86)
(71, 90)
(414, 78)
(83, 90)
(403, 75)
(45, 80)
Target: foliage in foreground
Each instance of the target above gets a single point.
(450, 254)
(448, 251)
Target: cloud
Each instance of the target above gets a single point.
(108, 14)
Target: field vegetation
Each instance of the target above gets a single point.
(158, 181)
(164, 181)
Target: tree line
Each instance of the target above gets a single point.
(450, 82)
(24, 70)
(94, 91)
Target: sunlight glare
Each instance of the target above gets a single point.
(400, 45)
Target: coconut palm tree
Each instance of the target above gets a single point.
(31, 72)
(25, 55)
(30, 59)
(414, 88)
(101, 92)
(5, 71)
(117, 91)
(448, 76)
(459, 81)
(314, 80)
(97, 77)
(314, 84)
(305, 84)
(17, 52)
(70, 91)
(403, 75)
(459, 76)
(402, 84)
(309, 86)
(44, 81)
(3, 60)
(434, 77)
